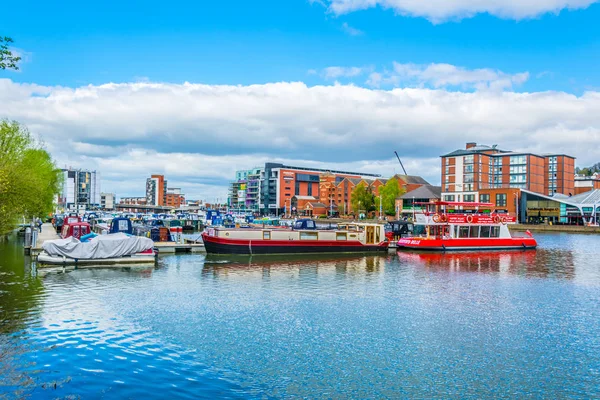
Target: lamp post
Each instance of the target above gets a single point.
(517, 201)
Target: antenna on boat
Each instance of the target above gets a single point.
(396, 153)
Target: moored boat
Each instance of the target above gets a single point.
(302, 237)
(450, 226)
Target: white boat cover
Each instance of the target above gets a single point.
(102, 246)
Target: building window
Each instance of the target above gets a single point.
(449, 197)
(484, 198)
(468, 159)
(521, 178)
(501, 200)
(469, 197)
(468, 168)
(518, 160)
(447, 161)
(309, 192)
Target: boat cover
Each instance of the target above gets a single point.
(102, 246)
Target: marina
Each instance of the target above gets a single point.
(477, 325)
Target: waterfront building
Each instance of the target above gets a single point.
(80, 189)
(584, 183)
(244, 191)
(175, 198)
(580, 209)
(481, 173)
(410, 202)
(107, 201)
(156, 190)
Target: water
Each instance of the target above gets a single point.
(499, 325)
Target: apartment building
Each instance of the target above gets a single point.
(80, 189)
(156, 190)
(107, 201)
(486, 170)
(174, 198)
(244, 191)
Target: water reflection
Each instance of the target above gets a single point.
(531, 263)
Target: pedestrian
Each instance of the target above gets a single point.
(40, 223)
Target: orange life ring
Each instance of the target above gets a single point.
(443, 218)
(496, 219)
(436, 218)
(470, 219)
(503, 220)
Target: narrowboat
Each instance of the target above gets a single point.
(302, 238)
(449, 226)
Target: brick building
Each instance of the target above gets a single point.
(174, 198)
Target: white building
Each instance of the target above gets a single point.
(80, 189)
(107, 201)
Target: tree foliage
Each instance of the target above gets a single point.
(29, 180)
(7, 59)
(362, 199)
(588, 171)
(388, 193)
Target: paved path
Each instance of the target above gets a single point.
(48, 233)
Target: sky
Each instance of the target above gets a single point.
(198, 90)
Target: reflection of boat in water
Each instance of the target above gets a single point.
(530, 262)
(448, 226)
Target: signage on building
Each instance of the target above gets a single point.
(272, 206)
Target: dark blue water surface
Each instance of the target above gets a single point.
(407, 325)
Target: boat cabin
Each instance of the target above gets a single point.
(71, 219)
(76, 230)
(395, 230)
(121, 225)
(305, 224)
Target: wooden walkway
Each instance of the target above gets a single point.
(48, 233)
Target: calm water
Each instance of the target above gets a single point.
(509, 325)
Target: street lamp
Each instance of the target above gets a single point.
(516, 194)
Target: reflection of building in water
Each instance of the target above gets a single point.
(538, 263)
(292, 267)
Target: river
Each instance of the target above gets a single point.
(480, 325)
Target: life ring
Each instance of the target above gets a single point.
(470, 219)
(443, 218)
(496, 219)
(503, 220)
(436, 218)
(427, 213)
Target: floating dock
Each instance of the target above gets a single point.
(48, 233)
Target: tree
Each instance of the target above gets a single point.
(388, 193)
(7, 59)
(29, 180)
(362, 199)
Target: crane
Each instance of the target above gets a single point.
(396, 153)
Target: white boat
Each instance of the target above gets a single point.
(117, 248)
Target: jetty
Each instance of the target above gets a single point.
(47, 233)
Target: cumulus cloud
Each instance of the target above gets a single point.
(201, 134)
(343, 72)
(438, 11)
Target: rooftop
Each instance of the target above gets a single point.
(424, 192)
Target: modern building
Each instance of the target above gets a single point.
(244, 192)
(482, 173)
(580, 209)
(80, 190)
(175, 198)
(279, 183)
(107, 201)
(156, 190)
(141, 201)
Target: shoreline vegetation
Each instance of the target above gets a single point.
(29, 179)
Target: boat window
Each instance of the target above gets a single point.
(341, 236)
(474, 231)
(298, 225)
(377, 229)
(495, 231)
(463, 231)
(485, 231)
(266, 235)
(309, 235)
(310, 224)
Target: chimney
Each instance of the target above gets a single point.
(471, 144)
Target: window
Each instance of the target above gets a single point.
(341, 236)
(309, 235)
(463, 232)
(267, 235)
(468, 159)
(518, 169)
(468, 178)
(469, 197)
(449, 197)
(447, 178)
(485, 231)
(309, 192)
(501, 199)
(518, 178)
(468, 168)
(518, 160)
(447, 161)
(494, 231)
(474, 231)
(484, 198)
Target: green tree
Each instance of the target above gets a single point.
(388, 193)
(29, 180)
(362, 199)
(7, 59)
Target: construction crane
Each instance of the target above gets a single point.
(396, 153)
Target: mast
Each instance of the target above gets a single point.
(396, 153)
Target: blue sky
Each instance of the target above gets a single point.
(530, 48)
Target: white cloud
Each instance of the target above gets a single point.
(350, 30)
(433, 75)
(438, 11)
(200, 134)
(342, 72)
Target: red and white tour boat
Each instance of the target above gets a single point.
(445, 226)
(302, 237)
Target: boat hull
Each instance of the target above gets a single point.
(216, 245)
(44, 259)
(466, 244)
